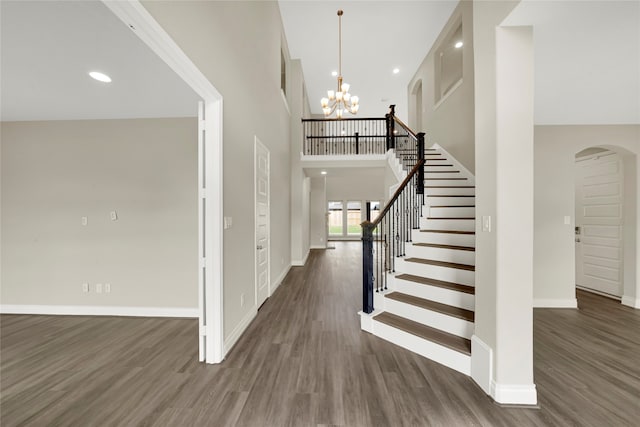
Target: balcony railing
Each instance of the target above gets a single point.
(345, 136)
(356, 136)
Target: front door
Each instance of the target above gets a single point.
(262, 241)
(599, 198)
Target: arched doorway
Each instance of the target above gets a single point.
(605, 221)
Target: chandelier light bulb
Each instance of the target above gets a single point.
(331, 94)
(324, 102)
(345, 87)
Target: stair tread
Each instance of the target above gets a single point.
(450, 195)
(427, 304)
(447, 231)
(451, 217)
(444, 179)
(452, 206)
(437, 336)
(433, 154)
(440, 246)
(449, 186)
(438, 160)
(438, 283)
(433, 166)
(442, 171)
(442, 263)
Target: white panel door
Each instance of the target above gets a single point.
(262, 222)
(599, 223)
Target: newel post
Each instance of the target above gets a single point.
(391, 140)
(367, 266)
(420, 187)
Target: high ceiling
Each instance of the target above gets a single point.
(49, 47)
(377, 36)
(587, 58)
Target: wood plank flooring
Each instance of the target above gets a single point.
(305, 362)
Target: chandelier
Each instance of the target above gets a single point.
(340, 101)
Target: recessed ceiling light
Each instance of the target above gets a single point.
(334, 73)
(396, 70)
(458, 45)
(100, 77)
(323, 172)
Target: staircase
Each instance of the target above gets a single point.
(429, 300)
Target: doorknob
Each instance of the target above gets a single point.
(259, 247)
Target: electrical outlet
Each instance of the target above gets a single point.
(242, 300)
(98, 288)
(107, 288)
(567, 220)
(85, 287)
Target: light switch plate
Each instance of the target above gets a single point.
(113, 215)
(84, 220)
(486, 223)
(567, 220)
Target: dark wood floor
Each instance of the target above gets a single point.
(305, 362)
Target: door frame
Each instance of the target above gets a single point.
(257, 143)
(210, 174)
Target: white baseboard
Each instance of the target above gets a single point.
(555, 303)
(631, 301)
(235, 335)
(280, 278)
(514, 394)
(481, 364)
(318, 247)
(99, 310)
(300, 263)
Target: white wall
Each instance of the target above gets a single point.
(299, 107)
(54, 173)
(449, 122)
(317, 214)
(237, 46)
(554, 254)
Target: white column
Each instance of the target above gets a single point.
(513, 380)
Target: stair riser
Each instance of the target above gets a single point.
(448, 224)
(450, 191)
(443, 355)
(439, 166)
(464, 277)
(440, 254)
(434, 293)
(452, 325)
(444, 238)
(444, 175)
(448, 201)
(452, 182)
(451, 212)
